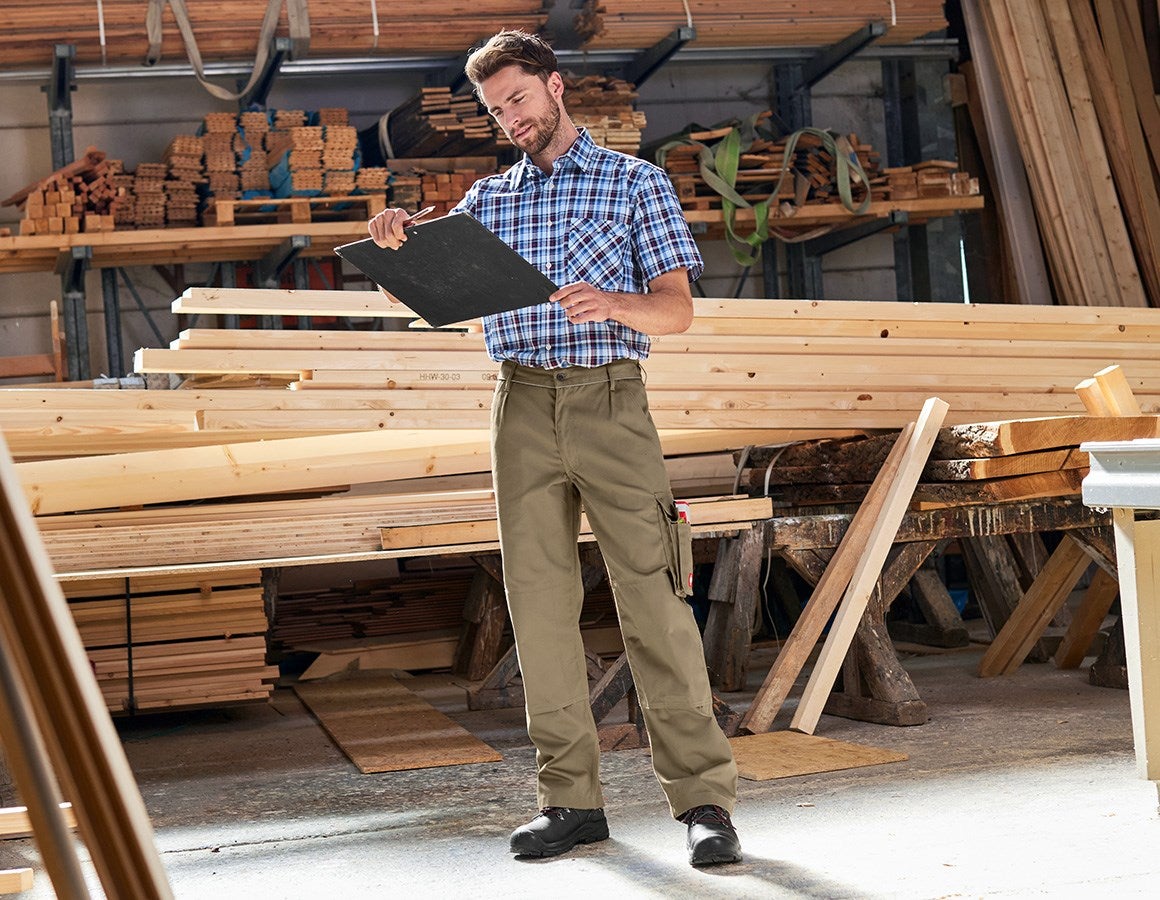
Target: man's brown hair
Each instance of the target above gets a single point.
(511, 48)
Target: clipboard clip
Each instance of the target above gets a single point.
(425, 211)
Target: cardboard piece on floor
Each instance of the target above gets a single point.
(383, 727)
(783, 754)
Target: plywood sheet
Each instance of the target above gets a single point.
(783, 754)
(383, 727)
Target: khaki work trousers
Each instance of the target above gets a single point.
(560, 438)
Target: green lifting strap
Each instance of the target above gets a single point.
(719, 167)
(297, 16)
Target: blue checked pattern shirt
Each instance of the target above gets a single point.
(602, 217)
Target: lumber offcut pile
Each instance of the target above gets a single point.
(608, 24)
(162, 642)
(812, 180)
(82, 196)
(114, 32)
(1077, 81)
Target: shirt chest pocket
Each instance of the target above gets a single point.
(600, 252)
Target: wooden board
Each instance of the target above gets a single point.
(425, 650)
(14, 821)
(14, 881)
(383, 727)
(784, 754)
(827, 594)
(1025, 435)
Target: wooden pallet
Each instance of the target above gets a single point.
(349, 207)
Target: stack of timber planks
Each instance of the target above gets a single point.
(114, 32)
(405, 413)
(743, 363)
(778, 365)
(164, 642)
(417, 615)
(1083, 104)
(619, 24)
(606, 108)
(184, 157)
(436, 122)
(439, 181)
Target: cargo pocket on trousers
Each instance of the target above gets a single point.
(677, 537)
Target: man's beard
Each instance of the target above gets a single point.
(543, 130)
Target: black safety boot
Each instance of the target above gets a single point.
(557, 829)
(712, 838)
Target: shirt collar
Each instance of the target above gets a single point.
(582, 155)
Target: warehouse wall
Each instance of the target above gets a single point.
(134, 119)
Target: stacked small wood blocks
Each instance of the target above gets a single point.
(253, 170)
(605, 107)
(372, 179)
(218, 145)
(340, 140)
(82, 196)
(438, 182)
(758, 171)
(184, 158)
(125, 209)
(930, 178)
(149, 187)
(194, 641)
(294, 154)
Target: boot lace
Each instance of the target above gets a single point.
(706, 815)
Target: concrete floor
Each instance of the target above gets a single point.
(1021, 786)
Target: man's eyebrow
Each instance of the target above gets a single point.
(510, 96)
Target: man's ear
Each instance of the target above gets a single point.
(556, 84)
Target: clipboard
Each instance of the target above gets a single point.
(451, 269)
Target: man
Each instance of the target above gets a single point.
(570, 425)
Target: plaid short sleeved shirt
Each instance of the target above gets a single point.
(602, 217)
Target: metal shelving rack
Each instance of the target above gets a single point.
(795, 71)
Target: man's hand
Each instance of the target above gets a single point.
(582, 302)
(667, 307)
(387, 227)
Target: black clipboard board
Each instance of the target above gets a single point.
(451, 269)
